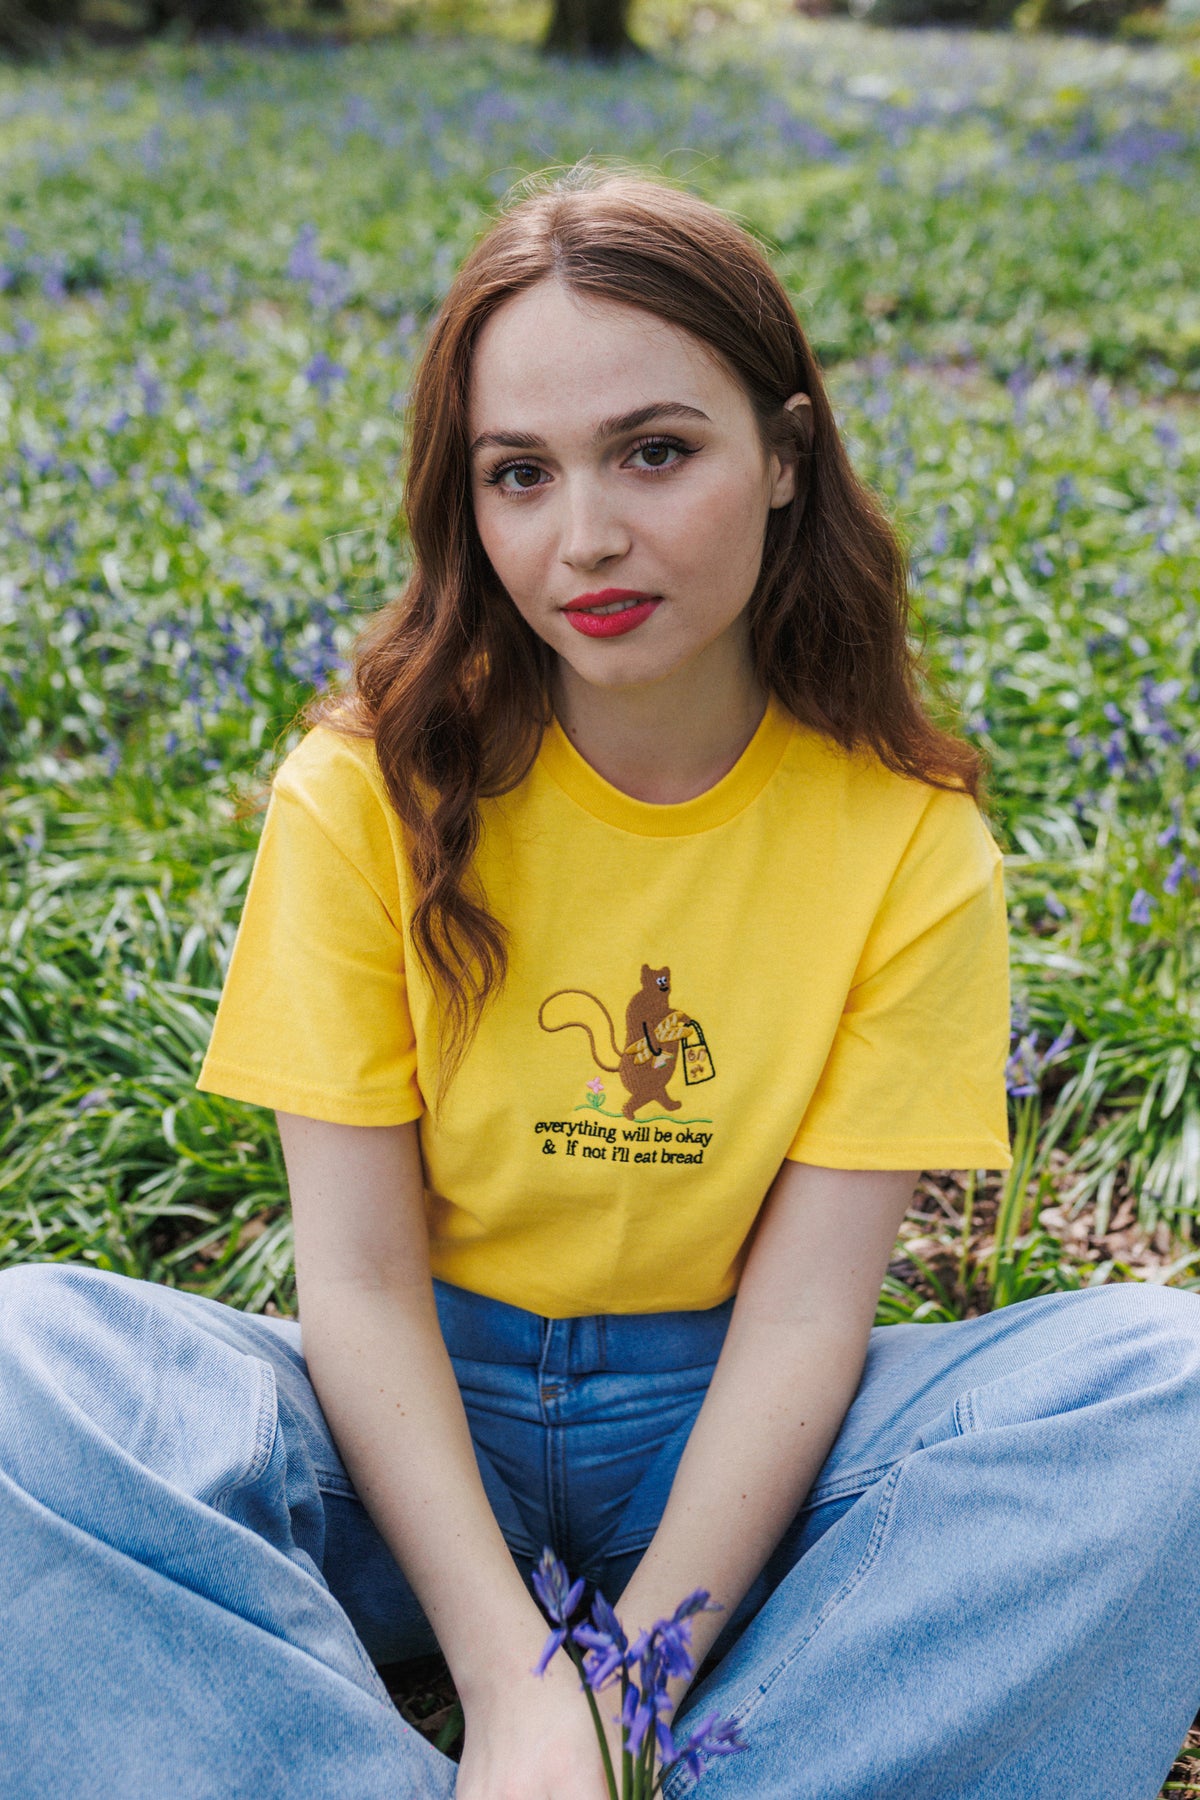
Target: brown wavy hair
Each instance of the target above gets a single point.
(454, 686)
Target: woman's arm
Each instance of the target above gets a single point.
(380, 1369)
(787, 1372)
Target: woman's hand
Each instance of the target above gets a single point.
(537, 1742)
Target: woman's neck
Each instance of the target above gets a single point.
(670, 740)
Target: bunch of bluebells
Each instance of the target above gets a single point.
(1026, 1064)
(604, 1657)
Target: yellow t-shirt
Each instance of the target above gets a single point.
(807, 961)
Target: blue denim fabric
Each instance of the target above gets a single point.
(991, 1593)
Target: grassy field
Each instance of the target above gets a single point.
(216, 271)
(214, 275)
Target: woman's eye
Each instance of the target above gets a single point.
(524, 475)
(660, 453)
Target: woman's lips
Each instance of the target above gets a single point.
(612, 613)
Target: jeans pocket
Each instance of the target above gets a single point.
(260, 1442)
(955, 1421)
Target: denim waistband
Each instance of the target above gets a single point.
(479, 1329)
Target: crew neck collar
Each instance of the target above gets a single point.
(748, 776)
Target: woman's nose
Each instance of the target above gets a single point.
(592, 531)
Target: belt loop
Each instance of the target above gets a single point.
(587, 1350)
(556, 1347)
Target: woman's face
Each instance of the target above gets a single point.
(620, 485)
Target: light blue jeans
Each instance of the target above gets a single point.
(992, 1592)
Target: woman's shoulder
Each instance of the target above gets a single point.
(333, 778)
(887, 810)
(330, 766)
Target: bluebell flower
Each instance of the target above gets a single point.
(322, 372)
(604, 1644)
(646, 1669)
(1020, 1072)
(1175, 874)
(559, 1597)
(1025, 1067)
(712, 1737)
(646, 1704)
(1140, 908)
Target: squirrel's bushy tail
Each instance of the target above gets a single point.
(583, 1025)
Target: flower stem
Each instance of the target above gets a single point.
(643, 1786)
(609, 1776)
(1012, 1204)
(967, 1220)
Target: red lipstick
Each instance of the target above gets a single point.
(629, 609)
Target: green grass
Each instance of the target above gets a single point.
(217, 269)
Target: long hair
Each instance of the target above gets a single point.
(454, 686)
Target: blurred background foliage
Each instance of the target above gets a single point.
(598, 30)
(217, 260)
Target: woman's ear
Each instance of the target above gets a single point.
(783, 489)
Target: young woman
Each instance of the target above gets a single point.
(617, 952)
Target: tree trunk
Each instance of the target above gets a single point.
(595, 29)
(198, 16)
(27, 27)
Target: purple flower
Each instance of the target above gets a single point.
(550, 1649)
(604, 1644)
(329, 281)
(672, 1638)
(646, 1669)
(660, 1654)
(1025, 1068)
(559, 1597)
(555, 1589)
(1175, 874)
(713, 1736)
(322, 372)
(645, 1705)
(1021, 1070)
(1140, 908)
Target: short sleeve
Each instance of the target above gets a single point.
(314, 1016)
(914, 1078)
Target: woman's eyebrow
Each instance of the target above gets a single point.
(607, 428)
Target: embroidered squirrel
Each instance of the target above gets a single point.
(653, 1029)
